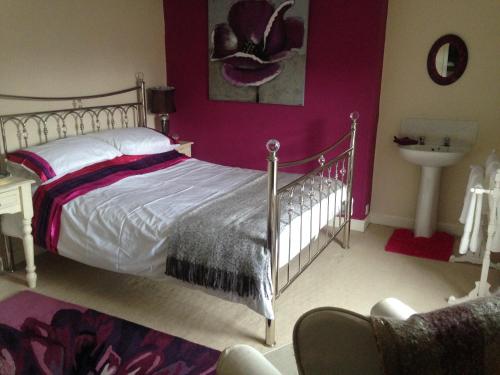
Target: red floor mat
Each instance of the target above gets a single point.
(438, 247)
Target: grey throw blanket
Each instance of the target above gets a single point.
(462, 339)
(201, 246)
(222, 244)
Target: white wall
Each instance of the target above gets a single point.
(407, 91)
(77, 47)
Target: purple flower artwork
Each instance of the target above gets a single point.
(258, 50)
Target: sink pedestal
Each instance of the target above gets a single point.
(432, 159)
(428, 196)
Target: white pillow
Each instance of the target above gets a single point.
(136, 141)
(59, 157)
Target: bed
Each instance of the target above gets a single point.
(239, 234)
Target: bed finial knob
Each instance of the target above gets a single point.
(139, 76)
(273, 145)
(354, 116)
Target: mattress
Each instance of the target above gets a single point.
(123, 227)
(108, 218)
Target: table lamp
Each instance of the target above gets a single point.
(162, 103)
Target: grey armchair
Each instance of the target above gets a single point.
(326, 340)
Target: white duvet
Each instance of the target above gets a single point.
(123, 227)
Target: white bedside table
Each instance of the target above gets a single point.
(185, 147)
(15, 198)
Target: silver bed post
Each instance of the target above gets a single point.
(347, 228)
(4, 138)
(272, 228)
(141, 97)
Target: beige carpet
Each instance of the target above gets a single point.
(354, 279)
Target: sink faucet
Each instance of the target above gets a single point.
(446, 141)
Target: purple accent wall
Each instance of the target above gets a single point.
(344, 69)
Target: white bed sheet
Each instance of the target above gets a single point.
(123, 227)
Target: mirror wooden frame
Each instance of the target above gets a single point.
(463, 55)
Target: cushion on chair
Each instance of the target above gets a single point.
(333, 341)
(461, 339)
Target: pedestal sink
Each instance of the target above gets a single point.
(432, 159)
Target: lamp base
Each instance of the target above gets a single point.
(164, 120)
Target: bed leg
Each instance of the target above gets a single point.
(347, 235)
(354, 116)
(270, 332)
(272, 231)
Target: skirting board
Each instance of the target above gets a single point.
(360, 225)
(404, 222)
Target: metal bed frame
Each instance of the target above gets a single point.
(335, 166)
(60, 117)
(338, 168)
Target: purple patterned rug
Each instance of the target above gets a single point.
(42, 335)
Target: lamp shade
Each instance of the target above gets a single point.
(162, 99)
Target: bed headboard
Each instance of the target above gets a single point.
(21, 130)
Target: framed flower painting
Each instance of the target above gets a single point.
(257, 50)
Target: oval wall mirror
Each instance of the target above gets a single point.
(447, 59)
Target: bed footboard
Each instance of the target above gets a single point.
(316, 205)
